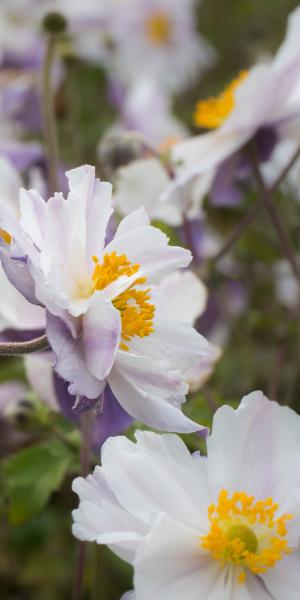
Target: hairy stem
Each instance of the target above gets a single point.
(18, 348)
(50, 130)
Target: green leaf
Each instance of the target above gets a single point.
(32, 475)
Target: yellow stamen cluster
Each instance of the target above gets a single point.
(112, 267)
(137, 313)
(5, 236)
(246, 533)
(159, 28)
(211, 113)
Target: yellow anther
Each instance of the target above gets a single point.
(5, 236)
(137, 313)
(212, 113)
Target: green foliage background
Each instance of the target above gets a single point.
(37, 550)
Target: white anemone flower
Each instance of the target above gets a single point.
(221, 527)
(261, 105)
(134, 37)
(106, 321)
(156, 37)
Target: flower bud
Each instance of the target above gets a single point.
(54, 22)
(119, 149)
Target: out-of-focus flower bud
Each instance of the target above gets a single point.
(54, 23)
(119, 149)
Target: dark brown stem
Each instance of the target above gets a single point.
(85, 461)
(275, 217)
(253, 212)
(50, 130)
(18, 348)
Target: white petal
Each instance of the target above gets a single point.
(198, 375)
(101, 333)
(148, 247)
(205, 152)
(255, 449)
(283, 580)
(289, 50)
(146, 394)
(175, 341)
(157, 474)
(101, 518)
(16, 311)
(33, 210)
(39, 372)
(70, 361)
(185, 294)
(139, 184)
(129, 596)
(138, 218)
(292, 507)
(97, 200)
(171, 565)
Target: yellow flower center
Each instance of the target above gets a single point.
(137, 313)
(159, 29)
(246, 533)
(5, 236)
(212, 113)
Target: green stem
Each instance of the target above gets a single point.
(50, 129)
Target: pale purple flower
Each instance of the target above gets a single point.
(266, 109)
(156, 37)
(106, 322)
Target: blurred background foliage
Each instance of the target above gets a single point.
(263, 349)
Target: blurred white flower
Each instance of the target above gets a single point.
(262, 105)
(15, 311)
(146, 182)
(286, 287)
(157, 38)
(204, 528)
(145, 108)
(137, 37)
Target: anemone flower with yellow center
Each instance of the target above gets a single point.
(159, 28)
(215, 527)
(107, 321)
